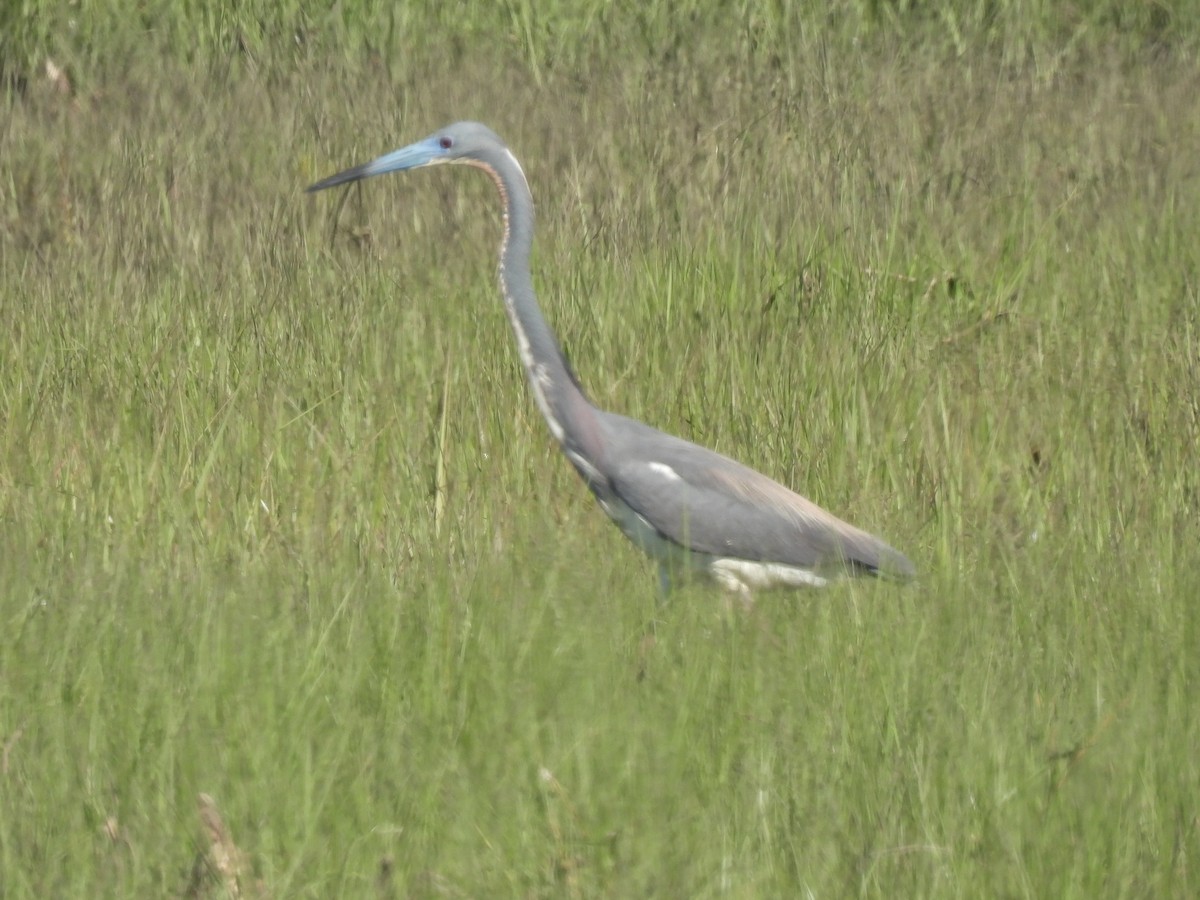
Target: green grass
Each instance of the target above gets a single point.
(279, 522)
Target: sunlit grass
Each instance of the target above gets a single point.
(280, 524)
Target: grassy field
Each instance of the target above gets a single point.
(280, 524)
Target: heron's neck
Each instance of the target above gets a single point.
(562, 402)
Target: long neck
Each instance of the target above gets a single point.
(566, 409)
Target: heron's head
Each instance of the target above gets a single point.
(462, 142)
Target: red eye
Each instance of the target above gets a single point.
(446, 142)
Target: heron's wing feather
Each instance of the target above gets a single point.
(712, 504)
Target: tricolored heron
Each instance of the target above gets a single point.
(690, 508)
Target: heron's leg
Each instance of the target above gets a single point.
(664, 581)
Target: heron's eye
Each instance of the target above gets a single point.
(446, 142)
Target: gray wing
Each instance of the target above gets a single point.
(712, 504)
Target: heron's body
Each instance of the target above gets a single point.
(690, 508)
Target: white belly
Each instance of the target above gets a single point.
(742, 576)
